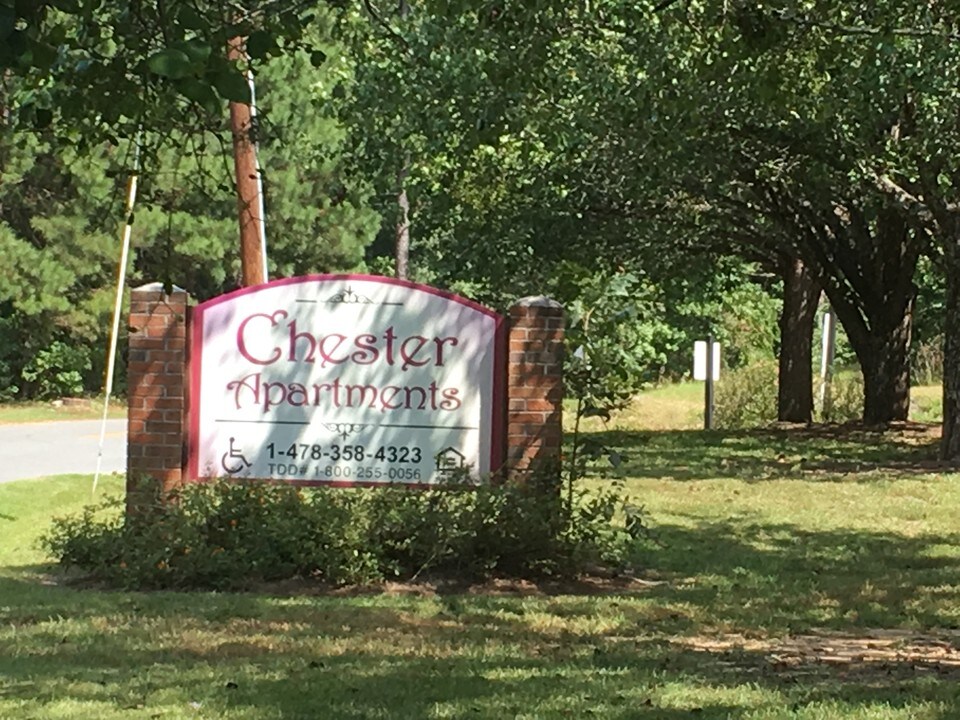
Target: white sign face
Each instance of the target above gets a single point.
(345, 380)
(700, 360)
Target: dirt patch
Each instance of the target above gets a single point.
(500, 587)
(871, 652)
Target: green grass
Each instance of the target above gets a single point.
(926, 403)
(25, 412)
(796, 576)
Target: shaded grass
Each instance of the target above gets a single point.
(757, 551)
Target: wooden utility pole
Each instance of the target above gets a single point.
(402, 239)
(245, 166)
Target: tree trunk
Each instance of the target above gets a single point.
(885, 362)
(950, 441)
(870, 287)
(795, 389)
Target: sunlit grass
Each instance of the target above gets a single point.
(25, 412)
(774, 554)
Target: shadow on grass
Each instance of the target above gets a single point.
(638, 654)
(829, 453)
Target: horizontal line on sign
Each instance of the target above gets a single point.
(310, 422)
(265, 422)
(429, 427)
(307, 301)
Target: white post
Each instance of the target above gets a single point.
(118, 306)
(828, 348)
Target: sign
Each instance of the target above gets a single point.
(700, 360)
(345, 380)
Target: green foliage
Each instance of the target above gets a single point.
(227, 535)
(926, 366)
(100, 70)
(614, 340)
(843, 401)
(748, 330)
(57, 371)
(747, 397)
(62, 211)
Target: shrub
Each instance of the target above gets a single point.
(227, 536)
(927, 362)
(747, 397)
(844, 401)
(57, 370)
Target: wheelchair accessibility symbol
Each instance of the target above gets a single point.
(233, 461)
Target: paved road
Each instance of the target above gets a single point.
(33, 450)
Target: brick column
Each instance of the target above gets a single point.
(156, 381)
(535, 387)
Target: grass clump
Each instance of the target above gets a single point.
(747, 397)
(235, 535)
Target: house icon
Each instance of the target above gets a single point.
(450, 460)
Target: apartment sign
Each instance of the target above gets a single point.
(345, 380)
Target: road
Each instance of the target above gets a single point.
(33, 450)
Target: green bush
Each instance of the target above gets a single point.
(844, 401)
(926, 361)
(228, 536)
(57, 371)
(747, 397)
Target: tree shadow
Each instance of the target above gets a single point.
(826, 454)
(705, 635)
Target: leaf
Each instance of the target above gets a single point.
(170, 63)
(43, 55)
(260, 44)
(68, 6)
(43, 119)
(201, 93)
(232, 86)
(190, 19)
(197, 49)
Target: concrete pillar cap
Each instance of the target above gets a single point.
(158, 287)
(538, 301)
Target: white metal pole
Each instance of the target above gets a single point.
(117, 306)
(261, 208)
(828, 345)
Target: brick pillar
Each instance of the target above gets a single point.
(535, 387)
(156, 370)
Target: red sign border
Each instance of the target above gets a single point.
(191, 468)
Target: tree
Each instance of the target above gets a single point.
(737, 116)
(61, 207)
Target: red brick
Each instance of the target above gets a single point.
(539, 404)
(522, 344)
(527, 417)
(146, 366)
(526, 369)
(546, 390)
(171, 452)
(174, 356)
(524, 428)
(168, 403)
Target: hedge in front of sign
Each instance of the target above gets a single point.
(237, 535)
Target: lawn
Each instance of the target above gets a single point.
(25, 412)
(794, 575)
